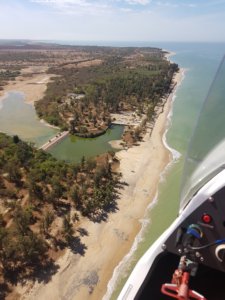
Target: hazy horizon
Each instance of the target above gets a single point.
(113, 20)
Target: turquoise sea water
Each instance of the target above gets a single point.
(200, 62)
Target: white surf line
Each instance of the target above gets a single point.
(126, 260)
(175, 156)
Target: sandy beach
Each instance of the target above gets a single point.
(86, 277)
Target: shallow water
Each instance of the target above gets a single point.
(19, 118)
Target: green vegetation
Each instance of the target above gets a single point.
(41, 200)
(81, 98)
(6, 76)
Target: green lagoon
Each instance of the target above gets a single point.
(19, 118)
(72, 148)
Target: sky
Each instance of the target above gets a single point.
(113, 20)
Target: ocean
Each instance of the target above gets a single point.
(200, 62)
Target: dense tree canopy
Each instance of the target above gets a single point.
(82, 98)
(41, 199)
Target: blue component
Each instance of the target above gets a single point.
(194, 232)
(220, 241)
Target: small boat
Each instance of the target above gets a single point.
(188, 260)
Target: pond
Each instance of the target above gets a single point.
(19, 118)
(72, 148)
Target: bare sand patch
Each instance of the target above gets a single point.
(32, 83)
(117, 144)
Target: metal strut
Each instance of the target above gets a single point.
(179, 286)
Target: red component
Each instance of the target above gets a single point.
(181, 292)
(206, 218)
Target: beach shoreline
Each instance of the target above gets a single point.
(173, 155)
(86, 277)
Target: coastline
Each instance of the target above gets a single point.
(86, 277)
(173, 155)
(168, 54)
